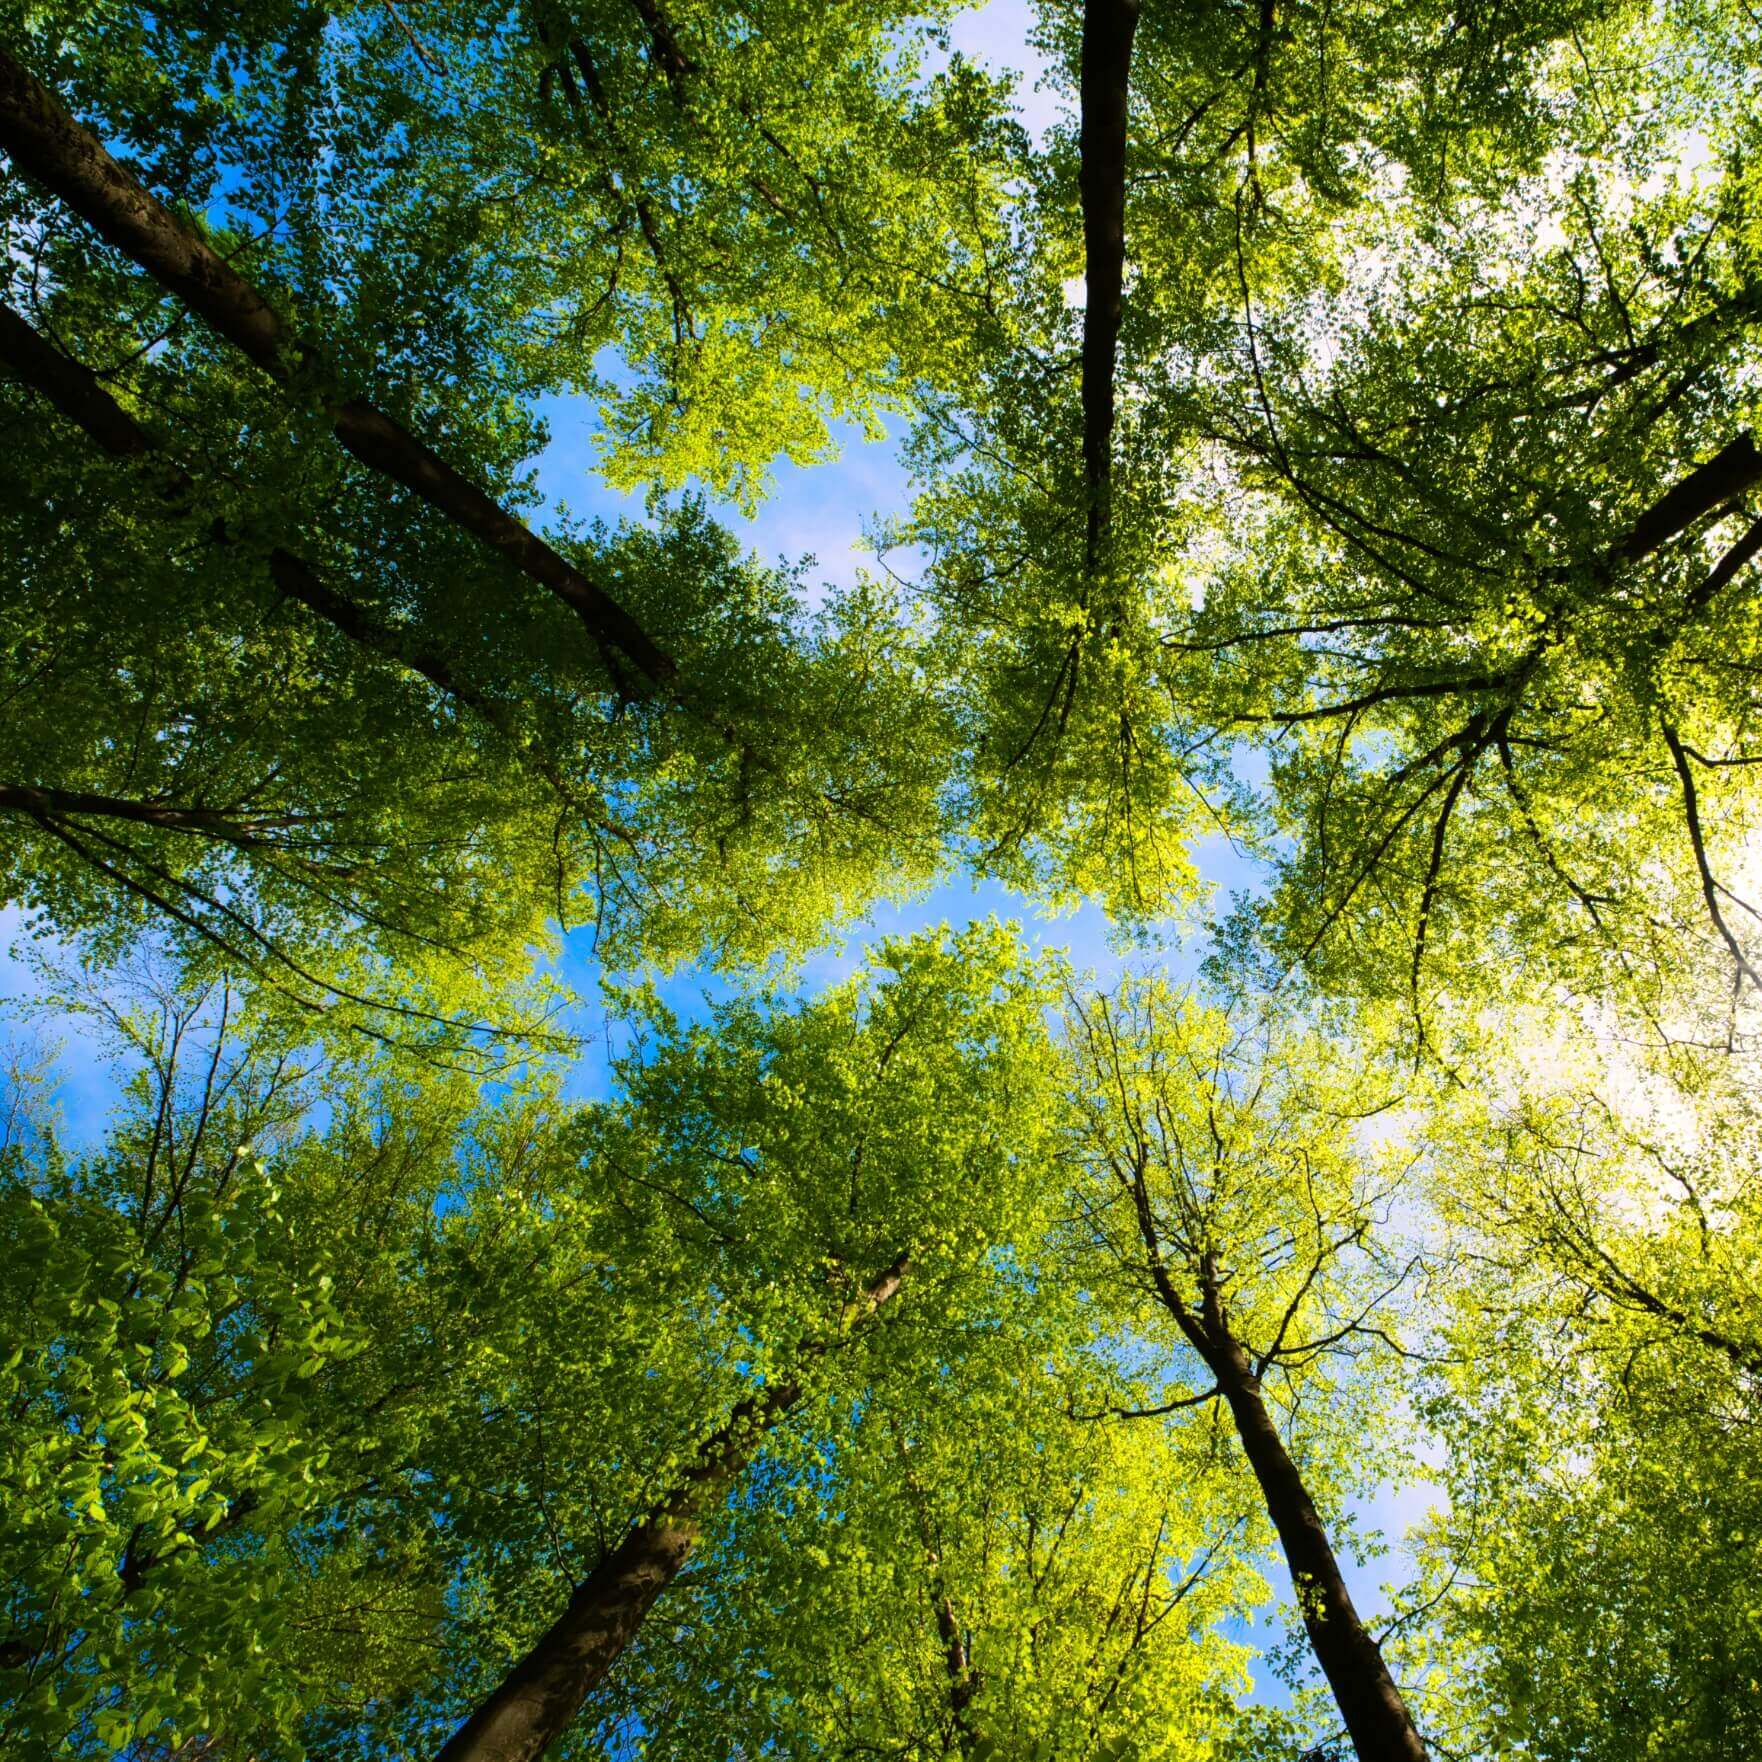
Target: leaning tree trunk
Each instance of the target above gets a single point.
(74, 390)
(545, 1689)
(1376, 1716)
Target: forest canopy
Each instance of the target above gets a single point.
(1124, 1128)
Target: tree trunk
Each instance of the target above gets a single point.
(1374, 1712)
(72, 388)
(546, 1688)
(41, 803)
(1108, 29)
(46, 143)
(963, 1681)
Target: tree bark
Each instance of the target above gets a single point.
(1375, 1715)
(73, 389)
(1108, 30)
(545, 1689)
(66, 158)
(963, 1680)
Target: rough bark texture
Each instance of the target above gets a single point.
(1374, 1712)
(1108, 29)
(546, 1688)
(48, 145)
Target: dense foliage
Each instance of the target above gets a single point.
(1330, 437)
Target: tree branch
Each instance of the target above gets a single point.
(1710, 888)
(1722, 479)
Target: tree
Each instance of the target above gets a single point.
(1340, 541)
(209, 1408)
(1219, 1192)
(1596, 1565)
(757, 215)
(812, 1177)
(538, 1329)
(1224, 170)
(1484, 601)
(961, 1563)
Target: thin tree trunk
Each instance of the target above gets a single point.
(1376, 1716)
(46, 143)
(963, 1680)
(1108, 29)
(545, 1690)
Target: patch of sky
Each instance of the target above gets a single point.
(999, 36)
(1085, 937)
(822, 514)
(83, 1077)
